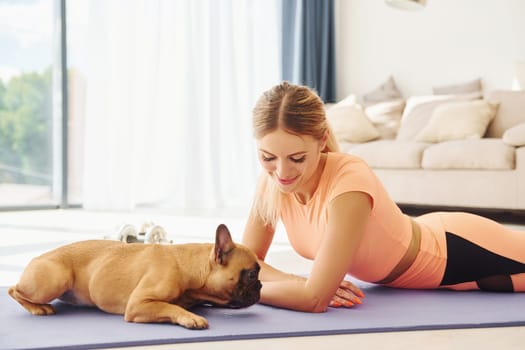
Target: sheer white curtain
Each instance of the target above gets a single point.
(170, 88)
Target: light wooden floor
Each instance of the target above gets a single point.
(26, 234)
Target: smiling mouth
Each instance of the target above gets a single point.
(286, 182)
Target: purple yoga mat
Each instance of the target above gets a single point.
(384, 309)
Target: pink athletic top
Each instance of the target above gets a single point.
(388, 231)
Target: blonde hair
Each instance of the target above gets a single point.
(295, 109)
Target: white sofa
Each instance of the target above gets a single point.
(432, 155)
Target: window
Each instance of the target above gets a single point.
(31, 133)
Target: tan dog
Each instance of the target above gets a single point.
(144, 282)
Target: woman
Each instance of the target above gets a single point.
(336, 212)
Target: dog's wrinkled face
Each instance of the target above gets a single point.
(233, 280)
(248, 289)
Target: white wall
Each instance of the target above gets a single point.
(450, 41)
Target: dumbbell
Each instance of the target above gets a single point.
(149, 233)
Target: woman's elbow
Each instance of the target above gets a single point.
(317, 305)
(319, 308)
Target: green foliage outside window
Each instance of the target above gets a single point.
(26, 129)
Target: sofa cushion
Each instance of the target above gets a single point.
(458, 120)
(515, 136)
(418, 111)
(490, 154)
(511, 111)
(350, 124)
(458, 88)
(391, 153)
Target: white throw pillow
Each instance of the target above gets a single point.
(515, 136)
(350, 124)
(419, 109)
(348, 100)
(386, 117)
(458, 120)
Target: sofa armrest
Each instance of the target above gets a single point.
(520, 169)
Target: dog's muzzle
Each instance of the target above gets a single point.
(245, 295)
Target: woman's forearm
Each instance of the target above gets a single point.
(291, 294)
(286, 290)
(269, 273)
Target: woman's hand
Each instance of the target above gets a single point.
(347, 295)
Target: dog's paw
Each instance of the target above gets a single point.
(193, 322)
(42, 310)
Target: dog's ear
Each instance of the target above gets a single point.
(223, 244)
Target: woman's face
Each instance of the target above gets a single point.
(291, 160)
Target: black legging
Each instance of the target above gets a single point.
(467, 262)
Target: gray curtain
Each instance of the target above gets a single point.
(308, 45)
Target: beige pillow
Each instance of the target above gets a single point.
(419, 109)
(385, 92)
(458, 120)
(348, 100)
(459, 88)
(350, 124)
(515, 136)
